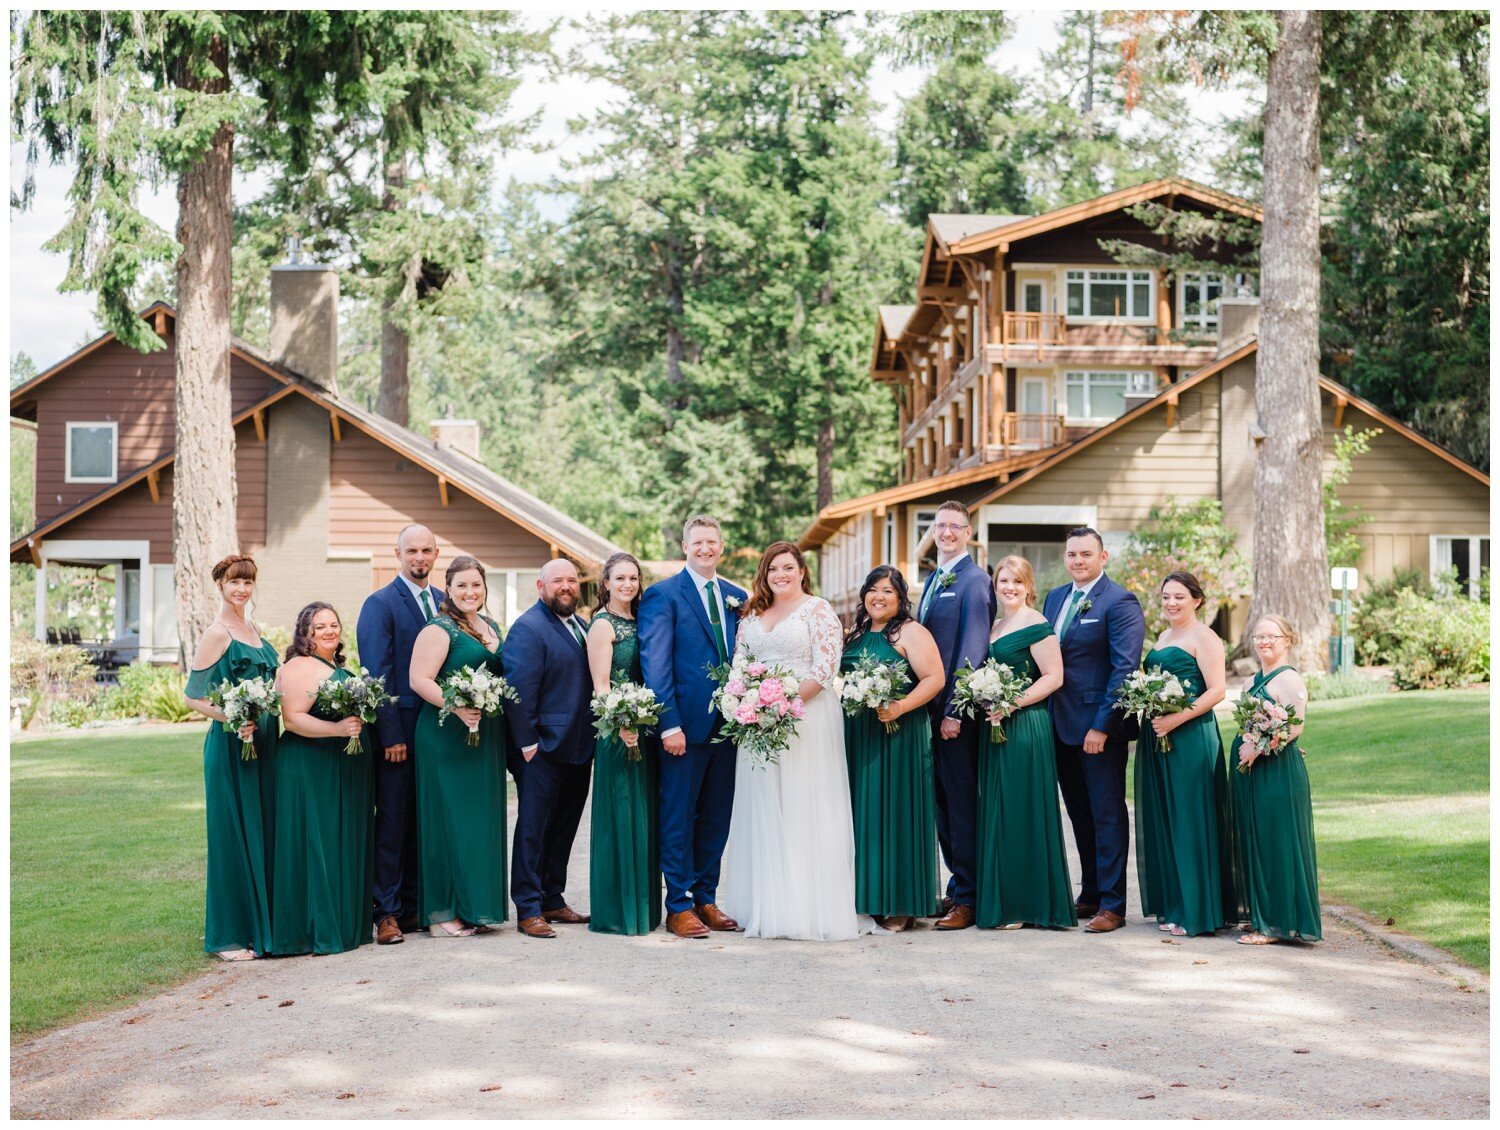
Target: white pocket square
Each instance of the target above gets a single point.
(946, 595)
(1095, 620)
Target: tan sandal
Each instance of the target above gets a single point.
(236, 955)
(1254, 939)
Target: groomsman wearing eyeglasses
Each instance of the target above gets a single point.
(957, 607)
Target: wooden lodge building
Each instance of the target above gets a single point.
(323, 484)
(1046, 387)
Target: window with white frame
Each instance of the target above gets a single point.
(92, 454)
(1467, 557)
(1198, 294)
(1101, 295)
(1101, 395)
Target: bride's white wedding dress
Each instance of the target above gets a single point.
(789, 863)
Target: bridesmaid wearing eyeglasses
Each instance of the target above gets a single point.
(1273, 806)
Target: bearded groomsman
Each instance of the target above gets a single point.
(388, 625)
(545, 659)
(1102, 631)
(957, 607)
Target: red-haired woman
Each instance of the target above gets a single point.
(237, 790)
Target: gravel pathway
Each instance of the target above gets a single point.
(1012, 1024)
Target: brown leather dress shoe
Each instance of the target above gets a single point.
(408, 925)
(959, 918)
(565, 914)
(536, 928)
(945, 907)
(1104, 922)
(1086, 910)
(387, 933)
(686, 924)
(714, 918)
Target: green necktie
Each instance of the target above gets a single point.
(1072, 612)
(577, 635)
(934, 583)
(713, 615)
(426, 602)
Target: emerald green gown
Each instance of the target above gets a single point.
(461, 817)
(1278, 858)
(238, 803)
(891, 790)
(1185, 857)
(624, 870)
(325, 841)
(1022, 871)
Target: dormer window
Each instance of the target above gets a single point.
(92, 452)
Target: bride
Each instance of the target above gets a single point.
(789, 863)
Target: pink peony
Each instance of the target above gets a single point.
(797, 708)
(781, 709)
(772, 691)
(745, 715)
(736, 687)
(756, 669)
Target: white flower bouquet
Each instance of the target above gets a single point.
(358, 696)
(761, 706)
(1150, 694)
(249, 701)
(625, 706)
(982, 691)
(871, 685)
(475, 688)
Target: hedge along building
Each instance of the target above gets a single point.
(1426, 509)
(323, 484)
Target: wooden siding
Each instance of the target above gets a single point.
(1079, 243)
(114, 383)
(374, 492)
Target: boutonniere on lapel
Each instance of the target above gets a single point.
(1085, 607)
(947, 581)
(732, 602)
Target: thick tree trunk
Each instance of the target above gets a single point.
(203, 482)
(1291, 557)
(393, 399)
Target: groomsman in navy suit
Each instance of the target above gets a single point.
(1102, 631)
(688, 625)
(388, 625)
(958, 608)
(546, 660)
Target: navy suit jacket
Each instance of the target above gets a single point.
(1100, 650)
(959, 619)
(550, 671)
(389, 621)
(677, 650)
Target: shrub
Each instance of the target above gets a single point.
(1346, 684)
(73, 712)
(1428, 641)
(1180, 535)
(44, 676)
(163, 699)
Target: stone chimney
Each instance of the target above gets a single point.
(1239, 321)
(305, 319)
(460, 436)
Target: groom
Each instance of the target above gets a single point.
(687, 625)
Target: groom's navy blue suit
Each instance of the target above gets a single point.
(959, 616)
(697, 789)
(1100, 648)
(389, 621)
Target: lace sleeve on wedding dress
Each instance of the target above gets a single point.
(741, 645)
(827, 641)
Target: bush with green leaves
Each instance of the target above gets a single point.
(163, 700)
(43, 677)
(1180, 535)
(1428, 639)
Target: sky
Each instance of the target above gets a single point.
(47, 325)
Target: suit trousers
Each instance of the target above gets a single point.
(956, 767)
(395, 885)
(697, 797)
(550, 796)
(1093, 789)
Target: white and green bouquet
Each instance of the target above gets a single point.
(248, 701)
(761, 706)
(358, 696)
(982, 691)
(625, 706)
(1151, 694)
(475, 688)
(871, 685)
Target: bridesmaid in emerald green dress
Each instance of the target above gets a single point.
(624, 872)
(1184, 852)
(1022, 872)
(1273, 808)
(890, 774)
(461, 818)
(237, 791)
(325, 828)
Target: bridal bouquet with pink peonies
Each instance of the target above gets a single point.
(1267, 726)
(761, 707)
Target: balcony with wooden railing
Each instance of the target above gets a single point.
(1039, 330)
(1029, 431)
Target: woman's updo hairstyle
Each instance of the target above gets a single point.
(235, 567)
(1187, 581)
(1284, 626)
(302, 637)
